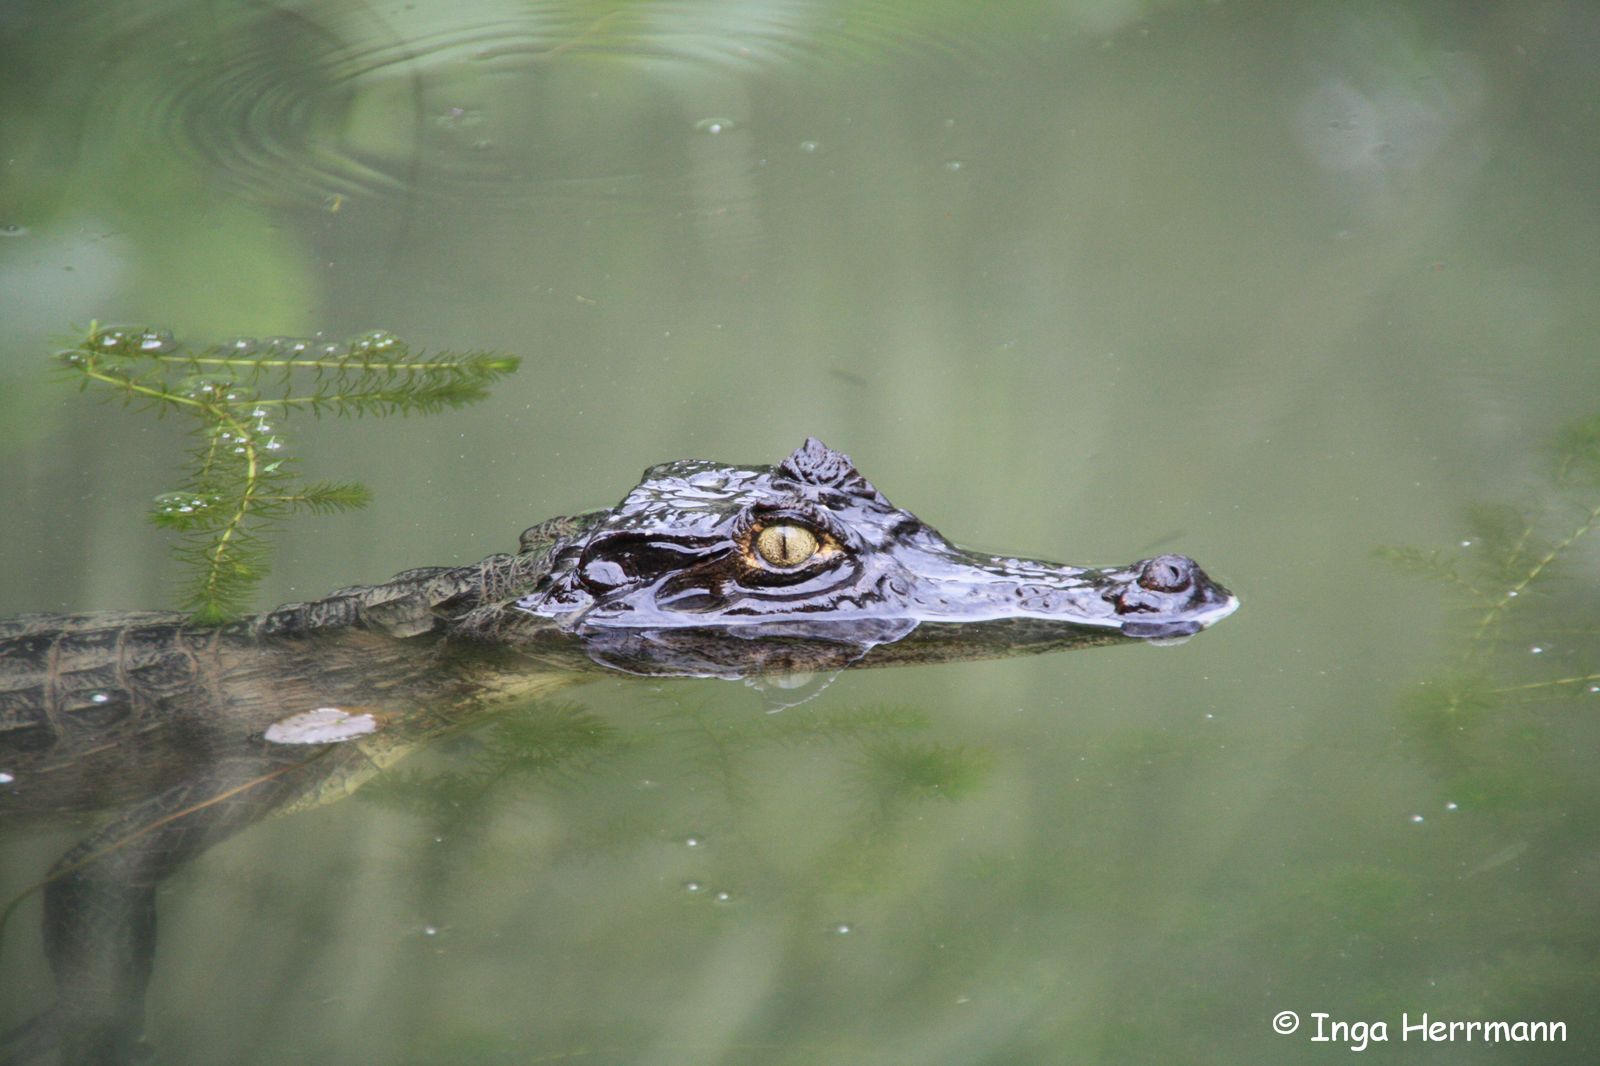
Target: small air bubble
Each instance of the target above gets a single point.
(843, 929)
(722, 896)
(1416, 819)
(1511, 595)
(694, 887)
(1594, 688)
(430, 930)
(377, 340)
(11, 229)
(461, 118)
(715, 125)
(177, 503)
(100, 697)
(1452, 806)
(693, 840)
(6, 778)
(203, 386)
(953, 165)
(156, 342)
(809, 147)
(1466, 544)
(1537, 649)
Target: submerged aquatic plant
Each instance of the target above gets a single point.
(562, 741)
(1507, 730)
(1515, 574)
(239, 483)
(1529, 638)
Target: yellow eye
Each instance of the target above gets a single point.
(786, 545)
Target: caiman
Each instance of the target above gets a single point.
(188, 734)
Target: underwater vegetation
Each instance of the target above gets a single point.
(554, 745)
(1522, 581)
(1507, 730)
(239, 482)
(1442, 855)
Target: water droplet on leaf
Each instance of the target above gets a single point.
(171, 504)
(375, 342)
(155, 342)
(203, 386)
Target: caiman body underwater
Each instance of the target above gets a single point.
(189, 733)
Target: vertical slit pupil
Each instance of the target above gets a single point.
(786, 544)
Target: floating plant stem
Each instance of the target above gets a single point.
(238, 486)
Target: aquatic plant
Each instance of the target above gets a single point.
(562, 742)
(547, 740)
(1500, 725)
(1514, 560)
(239, 483)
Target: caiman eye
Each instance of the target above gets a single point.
(786, 544)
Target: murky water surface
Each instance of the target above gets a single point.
(1277, 286)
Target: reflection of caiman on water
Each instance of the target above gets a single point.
(704, 570)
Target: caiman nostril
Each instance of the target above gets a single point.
(1167, 573)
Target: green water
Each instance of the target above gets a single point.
(1274, 285)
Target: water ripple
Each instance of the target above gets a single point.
(336, 101)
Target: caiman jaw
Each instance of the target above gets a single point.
(1167, 596)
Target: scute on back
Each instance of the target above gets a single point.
(63, 673)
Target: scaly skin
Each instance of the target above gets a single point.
(702, 570)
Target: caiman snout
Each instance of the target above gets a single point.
(1167, 585)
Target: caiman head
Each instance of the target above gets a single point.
(729, 571)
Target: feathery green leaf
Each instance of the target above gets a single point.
(238, 482)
